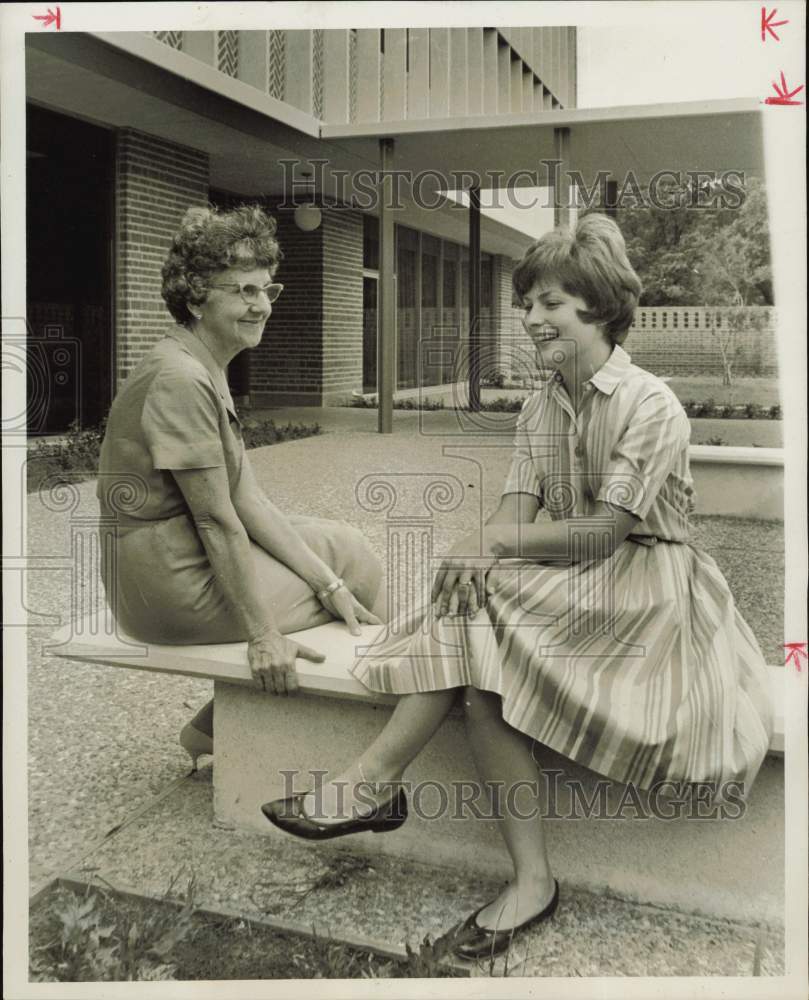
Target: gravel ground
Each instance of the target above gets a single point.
(325, 887)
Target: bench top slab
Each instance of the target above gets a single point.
(227, 661)
(84, 642)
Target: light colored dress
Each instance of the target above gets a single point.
(175, 412)
(639, 665)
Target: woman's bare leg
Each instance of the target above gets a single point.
(503, 757)
(413, 722)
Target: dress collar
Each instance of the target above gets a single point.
(198, 350)
(614, 370)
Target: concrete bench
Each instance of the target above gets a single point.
(258, 736)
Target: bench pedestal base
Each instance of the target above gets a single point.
(725, 867)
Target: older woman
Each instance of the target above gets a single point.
(202, 556)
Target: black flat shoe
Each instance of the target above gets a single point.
(471, 941)
(288, 815)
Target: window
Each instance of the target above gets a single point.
(370, 242)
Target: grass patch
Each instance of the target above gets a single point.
(98, 935)
(756, 392)
(74, 458)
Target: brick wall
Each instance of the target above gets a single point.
(286, 368)
(156, 181)
(517, 354)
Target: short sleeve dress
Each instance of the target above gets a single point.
(638, 665)
(175, 412)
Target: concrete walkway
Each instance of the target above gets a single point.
(109, 790)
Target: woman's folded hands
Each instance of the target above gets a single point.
(459, 587)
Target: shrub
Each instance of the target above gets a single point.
(503, 404)
(71, 460)
(774, 412)
(259, 433)
(414, 403)
(75, 458)
(494, 380)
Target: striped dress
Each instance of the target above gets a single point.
(637, 665)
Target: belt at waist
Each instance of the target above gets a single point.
(649, 540)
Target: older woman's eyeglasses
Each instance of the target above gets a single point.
(252, 293)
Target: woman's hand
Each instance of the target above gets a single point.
(344, 605)
(460, 583)
(272, 661)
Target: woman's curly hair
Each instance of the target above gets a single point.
(590, 262)
(209, 241)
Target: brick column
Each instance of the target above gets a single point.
(311, 353)
(156, 181)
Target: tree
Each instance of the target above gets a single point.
(711, 255)
(734, 258)
(726, 323)
(734, 271)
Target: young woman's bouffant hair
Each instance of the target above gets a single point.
(209, 241)
(590, 262)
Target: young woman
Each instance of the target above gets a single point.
(601, 632)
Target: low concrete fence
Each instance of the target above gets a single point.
(739, 482)
(685, 341)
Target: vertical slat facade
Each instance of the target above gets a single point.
(503, 79)
(439, 72)
(458, 71)
(369, 69)
(418, 77)
(201, 45)
(394, 107)
(475, 71)
(336, 97)
(254, 61)
(490, 71)
(367, 75)
(298, 70)
(516, 84)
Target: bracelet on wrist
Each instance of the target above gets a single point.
(328, 591)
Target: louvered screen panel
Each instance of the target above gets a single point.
(174, 39)
(227, 52)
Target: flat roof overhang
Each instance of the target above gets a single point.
(645, 139)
